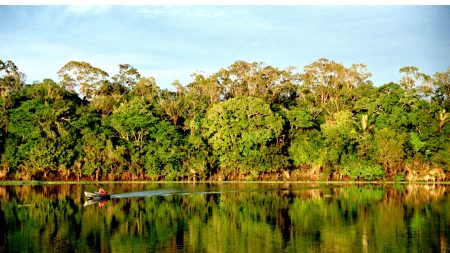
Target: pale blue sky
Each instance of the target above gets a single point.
(173, 42)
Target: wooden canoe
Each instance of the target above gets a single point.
(96, 195)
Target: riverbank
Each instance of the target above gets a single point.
(307, 175)
(106, 182)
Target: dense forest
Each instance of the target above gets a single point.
(249, 121)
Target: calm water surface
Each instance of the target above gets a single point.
(229, 217)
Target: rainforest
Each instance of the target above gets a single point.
(248, 121)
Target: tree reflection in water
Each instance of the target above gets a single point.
(227, 218)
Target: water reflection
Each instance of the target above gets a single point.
(227, 218)
(103, 199)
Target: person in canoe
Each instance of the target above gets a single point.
(101, 191)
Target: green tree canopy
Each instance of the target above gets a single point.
(239, 129)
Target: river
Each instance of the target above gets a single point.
(226, 217)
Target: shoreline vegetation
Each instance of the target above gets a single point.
(44, 182)
(246, 122)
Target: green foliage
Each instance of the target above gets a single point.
(40, 130)
(415, 142)
(133, 120)
(164, 152)
(340, 130)
(361, 169)
(388, 145)
(4, 121)
(442, 156)
(238, 131)
(305, 149)
(299, 118)
(242, 122)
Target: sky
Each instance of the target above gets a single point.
(173, 42)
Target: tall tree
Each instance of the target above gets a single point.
(128, 76)
(146, 88)
(82, 77)
(174, 103)
(327, 80)
(412, 79)
(442, 89)
(209, 87)
(11, 79)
